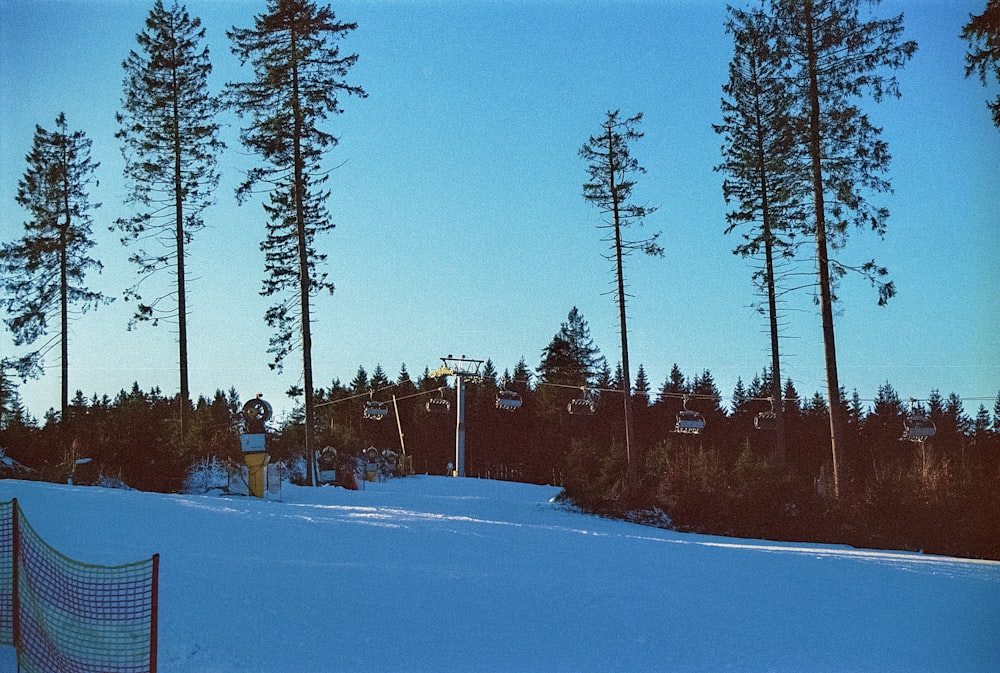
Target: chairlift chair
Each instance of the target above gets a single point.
(375, 410)
(508, 400)
(689, 422)
(765, 420)
(582, 406)
(918, 427)
(438, 405)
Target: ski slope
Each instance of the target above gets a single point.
(436, 574)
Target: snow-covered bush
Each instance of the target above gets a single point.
(205, 475)
(104, 481)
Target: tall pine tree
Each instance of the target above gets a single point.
(44, 273)
(835, 57)
(612, 172)
(299, 77)
(760, 160)
(170, 143)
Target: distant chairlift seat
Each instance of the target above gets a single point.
(765, 420)
(438, 405)
(508, 400)
(689, 422)
(917, 427)
(375, 410)
(583, 406)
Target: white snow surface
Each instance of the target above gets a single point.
(443, 574)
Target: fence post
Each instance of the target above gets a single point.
(14, 591)
(154, 605)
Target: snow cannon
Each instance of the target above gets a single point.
(256, 413)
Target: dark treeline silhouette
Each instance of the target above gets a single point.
(937, 495)
(801, 160)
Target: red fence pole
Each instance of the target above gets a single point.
(15, 598)
(154, 605)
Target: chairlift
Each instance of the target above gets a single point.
(689, 422)
(917, 426)
(438, 405)
(375, 410)
(508, 400)
(582, 406)
(766, 420)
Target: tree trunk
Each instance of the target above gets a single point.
(64, 309)
(64, 278)
(305, 280)
(772, 303)
(630, 464)
(776, 401)
(185, 392)
(822, 254)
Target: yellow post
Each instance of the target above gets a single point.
(256, 469)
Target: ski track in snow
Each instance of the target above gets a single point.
(439, 574)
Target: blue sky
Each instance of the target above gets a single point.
(460, 222)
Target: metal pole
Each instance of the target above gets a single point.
(460, 427)
(399, 425)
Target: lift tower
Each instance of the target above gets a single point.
(461, 368)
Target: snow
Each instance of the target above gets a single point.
(442, 574)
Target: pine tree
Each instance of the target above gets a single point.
(43, 273)
(740, 396)
(170, 144)
(981, 424)
(571, 358)
(790, 397)
(489, 374)
(675, 385)
(12, 412)
(834, 58)
(641, 387)
(360, 382)
(760, 161)
(603, 379)
(983, 35)
(612, 170)
(522, 373)
(404, 382)
(299, 76)
(956, 418)
(379, 378)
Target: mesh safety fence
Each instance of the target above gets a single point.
(63, 615)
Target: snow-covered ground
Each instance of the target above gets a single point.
(438, 574)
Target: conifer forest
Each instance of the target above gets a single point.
(804, 170)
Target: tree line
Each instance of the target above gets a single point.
(170, 142)
(935, 494)
(802, 161)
